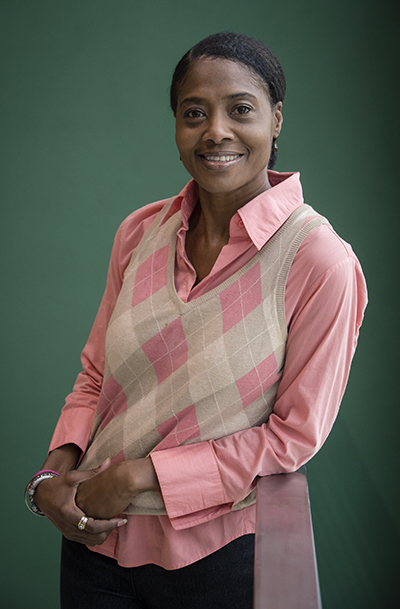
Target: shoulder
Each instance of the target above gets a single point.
(130, 232)
(139, 220)
(325, 271)
(321, 252)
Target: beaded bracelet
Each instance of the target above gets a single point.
(30, 489)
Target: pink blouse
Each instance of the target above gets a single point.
(324, 304)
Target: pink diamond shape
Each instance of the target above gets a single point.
(256, 382)
(167, 350)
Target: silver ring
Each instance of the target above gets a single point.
(82, 523)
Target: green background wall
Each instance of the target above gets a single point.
(87, 137)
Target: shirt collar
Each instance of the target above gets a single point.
(265, 214)
(261, 216)
(185, 202)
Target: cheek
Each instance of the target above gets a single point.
(182, 142)
(258, 137)
(262, 146)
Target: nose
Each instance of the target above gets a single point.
(217, 128)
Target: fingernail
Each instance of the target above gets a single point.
(122, 522)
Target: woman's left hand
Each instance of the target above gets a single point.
(108, 493)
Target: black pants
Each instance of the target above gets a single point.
(222, 580)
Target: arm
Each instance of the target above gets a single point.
(56, 497)
(75, 422)
(202, 481)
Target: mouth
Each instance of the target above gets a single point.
(220, 161)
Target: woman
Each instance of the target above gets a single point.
(220, 353)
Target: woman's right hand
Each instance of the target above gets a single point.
(55, 497)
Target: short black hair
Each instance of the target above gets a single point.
(252, 53)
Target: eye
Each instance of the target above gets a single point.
(242, 109)
(194, 113)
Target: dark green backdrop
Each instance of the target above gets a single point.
(87, 137)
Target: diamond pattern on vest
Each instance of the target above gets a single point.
(179, 428)
(239, 299)
(112, 401)
(255, 383)
(178, 373)
(151, 276)
(167, 350)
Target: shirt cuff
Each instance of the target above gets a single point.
(73, 427)
(191, 484)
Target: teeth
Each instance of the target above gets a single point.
(223, 158)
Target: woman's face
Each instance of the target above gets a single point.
(225, 126)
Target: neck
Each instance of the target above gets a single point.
(209, 225)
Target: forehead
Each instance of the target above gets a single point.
(220, 77)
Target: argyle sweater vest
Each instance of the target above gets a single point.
(178, 373)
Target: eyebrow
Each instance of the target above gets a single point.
(199, 100)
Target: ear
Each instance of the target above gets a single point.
(278, 119)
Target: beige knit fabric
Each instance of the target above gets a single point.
(178, 373)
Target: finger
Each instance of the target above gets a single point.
(102, 468)
(96, 527)
(74, 478)
(97, 531)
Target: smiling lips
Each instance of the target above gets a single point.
(219, 161)
(221, 158)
